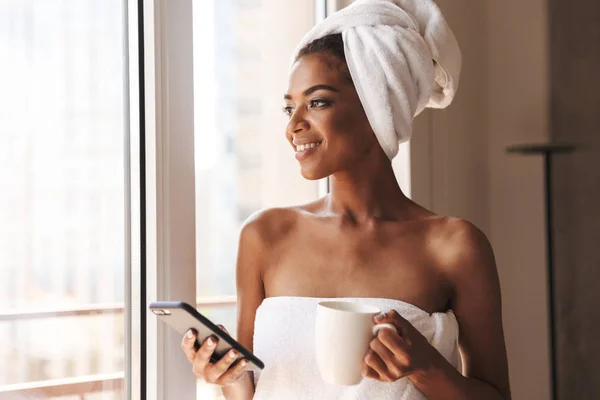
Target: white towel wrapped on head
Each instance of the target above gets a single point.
(402, 57)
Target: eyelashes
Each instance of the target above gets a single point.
(313, 104)
(319, 103)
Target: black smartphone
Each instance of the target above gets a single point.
(183, 317)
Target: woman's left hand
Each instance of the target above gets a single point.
(395, 355)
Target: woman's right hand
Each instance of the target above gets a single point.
(220, 373)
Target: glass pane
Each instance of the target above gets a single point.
(242, 51)
(62, 209)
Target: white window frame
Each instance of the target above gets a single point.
(170, 188)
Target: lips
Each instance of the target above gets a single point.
(305, 150)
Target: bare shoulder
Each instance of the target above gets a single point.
(462, 246)
(467, 240)
(271, 225)
(468, 260)
(259, 237)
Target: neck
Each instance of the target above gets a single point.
(367, 192)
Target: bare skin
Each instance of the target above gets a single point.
(367, 239)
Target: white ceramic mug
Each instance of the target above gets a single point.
(343, 331)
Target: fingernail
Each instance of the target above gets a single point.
(379, 317)
(232, 354)
(210, 342)
(189, 334)
(244, 363)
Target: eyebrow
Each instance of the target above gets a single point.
(313, 89)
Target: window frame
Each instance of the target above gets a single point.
(128, 379)
(168, 143)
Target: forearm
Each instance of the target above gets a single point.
(241, 390)
(444, 382)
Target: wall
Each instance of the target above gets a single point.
(575, 106)
(518, 112)
(454, 139)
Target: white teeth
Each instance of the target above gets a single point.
(302, 147)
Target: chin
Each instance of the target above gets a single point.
(311, 174)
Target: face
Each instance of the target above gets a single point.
(328, 128)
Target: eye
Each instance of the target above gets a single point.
(319, 103)
(287, 110)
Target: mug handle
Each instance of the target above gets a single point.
(379, 327)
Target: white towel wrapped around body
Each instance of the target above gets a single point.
(284, 339)
(402, 57)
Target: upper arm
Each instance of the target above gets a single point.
(250, 291)
(258, 238)
(477, 305)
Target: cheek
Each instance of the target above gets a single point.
(351, 132)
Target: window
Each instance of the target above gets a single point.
(63, 242)
(70, 319)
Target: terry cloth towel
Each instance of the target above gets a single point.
(402, 57)
(284, 339)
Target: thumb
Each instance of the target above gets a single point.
(392, 317)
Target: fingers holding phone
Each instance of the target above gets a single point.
(216, 357)
(223, 372)
(188, 345)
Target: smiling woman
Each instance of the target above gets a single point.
(365, 241)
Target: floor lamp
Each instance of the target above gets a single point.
(547, 150)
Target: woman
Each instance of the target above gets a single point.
(357, 81)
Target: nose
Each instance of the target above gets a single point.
(297, 124)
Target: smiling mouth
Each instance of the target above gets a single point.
(302, 147)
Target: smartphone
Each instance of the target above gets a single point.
(183, 317)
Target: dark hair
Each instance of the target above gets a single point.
(331, 44)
